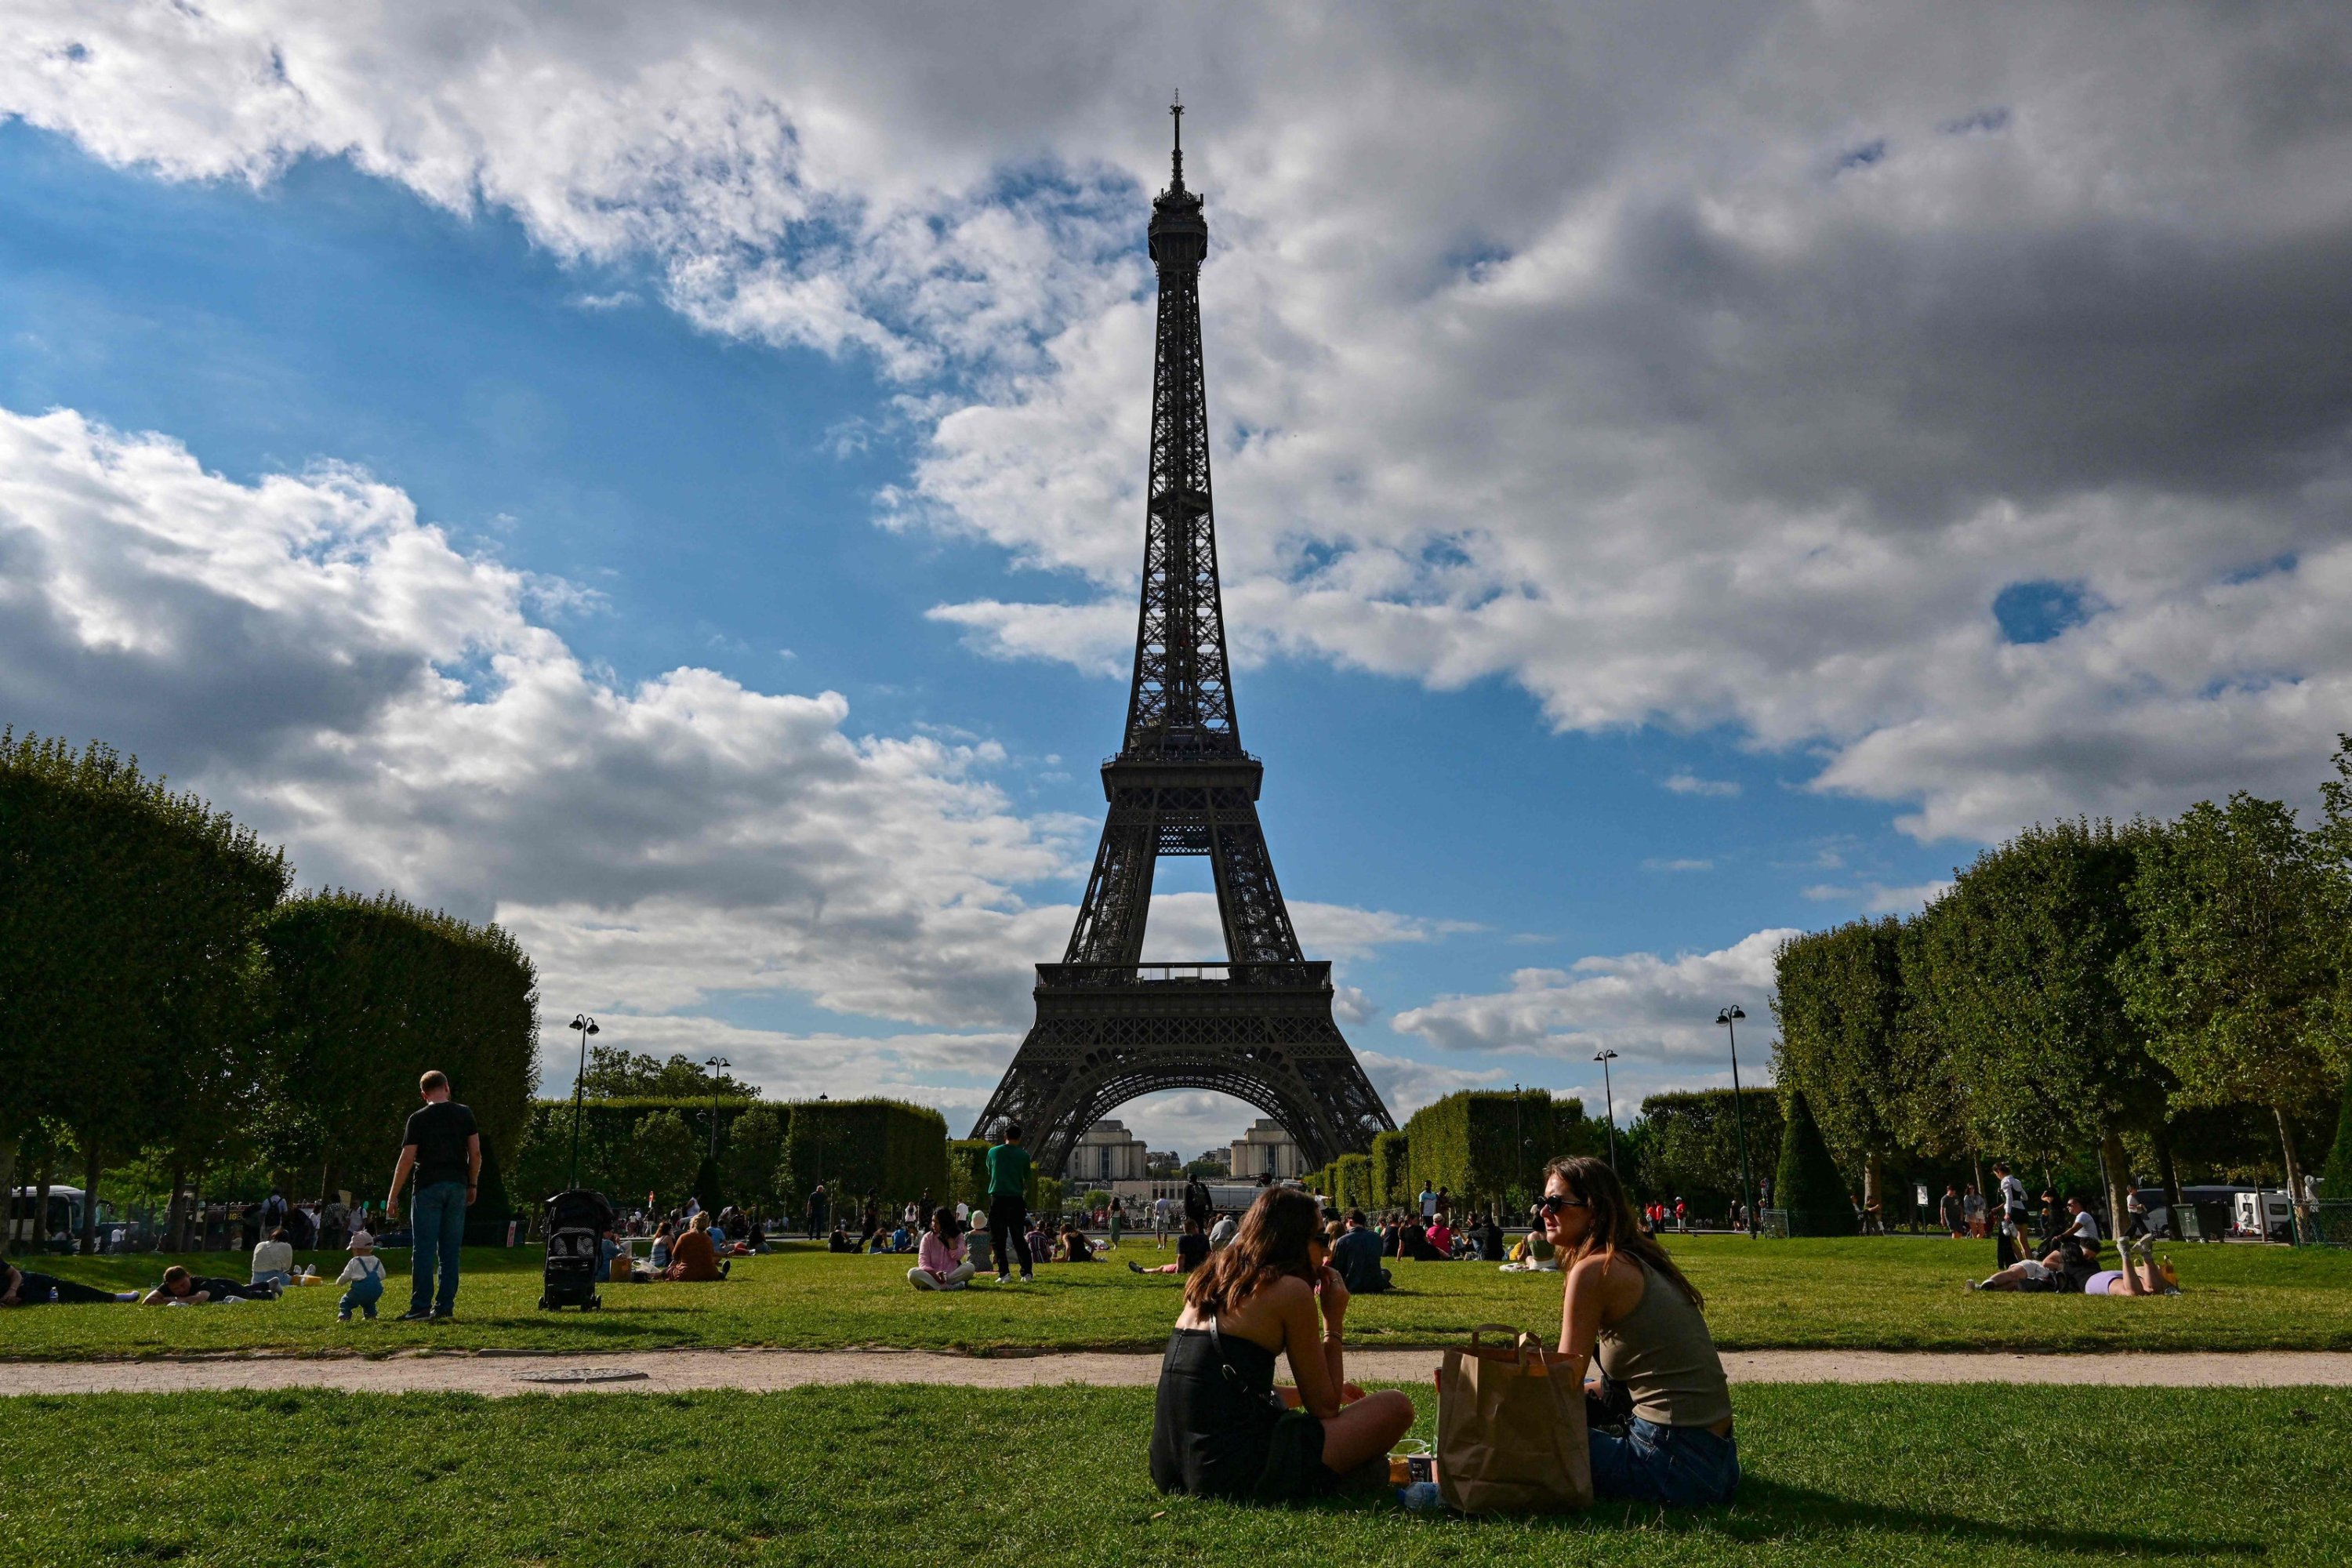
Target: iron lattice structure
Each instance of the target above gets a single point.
(1258, 1025)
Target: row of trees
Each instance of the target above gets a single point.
(2091, 987)
(163, 999)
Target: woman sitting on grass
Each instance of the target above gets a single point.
(1220, 1428)
(1625, 1300)
(1192, 1251)
(180, 1287)
(942, 1264)
(692, 1257)
(1075, 1248)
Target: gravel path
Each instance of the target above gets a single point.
(670, 1371)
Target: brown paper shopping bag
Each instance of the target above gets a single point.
(1510, 1429)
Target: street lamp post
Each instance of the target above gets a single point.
(1608, 1094)
(587, 1026)
(715, 1064)
(1739, 1117)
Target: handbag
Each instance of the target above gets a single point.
(1510, 1429)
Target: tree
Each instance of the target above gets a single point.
(1839, 1001)
(2020, 965)
(755, 1145)
(617, 1074)
(1691, 1144)
(1808, 1187)
(663, 1156)
(2232, 976)
(2335, 1179)
(126, 914)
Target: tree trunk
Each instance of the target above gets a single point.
(1872, 1195)
(175, 1218)
(8, 1163)
(2111, 1161)
(2301, 1224)
(89, 1198)
(41, 1196)
(2171, 1176)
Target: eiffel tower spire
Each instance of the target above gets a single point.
(1259, 1024)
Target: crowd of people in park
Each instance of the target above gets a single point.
(2069, 1257)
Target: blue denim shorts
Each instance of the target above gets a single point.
(1682, 1467)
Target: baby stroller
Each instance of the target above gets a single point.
(576, 1224)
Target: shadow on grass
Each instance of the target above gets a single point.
(1773, 1512)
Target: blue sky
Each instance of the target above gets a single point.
(1585, 650)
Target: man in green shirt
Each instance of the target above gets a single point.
(1008, 1205)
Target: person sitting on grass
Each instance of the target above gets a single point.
(273, 1261)
(982, 1243)
(692, 1257)
(183, 1289)
(20, 1288)
(1441, 1239)
(1625, 1304)
(1192, 1251)
(840, 1241)
(1219, 1427)
(1356, 1254)
(902, 1239)
(1075, 1248)
(942, 1264)
(1040, 1240)
(665, 1234)
(1221, 1234)
(364, 1275)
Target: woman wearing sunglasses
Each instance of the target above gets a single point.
(1626, 1300)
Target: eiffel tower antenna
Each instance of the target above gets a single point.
(1258, 1025)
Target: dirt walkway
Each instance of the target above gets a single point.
(669, 1371)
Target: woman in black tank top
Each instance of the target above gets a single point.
(1220, 1428)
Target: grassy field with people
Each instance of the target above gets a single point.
(1887, 1475)
(1883, 1293)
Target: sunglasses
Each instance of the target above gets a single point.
(1552, 1203)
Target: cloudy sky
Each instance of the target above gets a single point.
(669, 477)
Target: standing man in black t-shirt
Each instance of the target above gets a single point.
(443, 1148)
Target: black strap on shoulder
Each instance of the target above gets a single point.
(1233, 1374)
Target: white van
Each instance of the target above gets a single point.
(64, 1217)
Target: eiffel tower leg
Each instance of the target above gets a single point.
(1249, 900)
(1109, 928)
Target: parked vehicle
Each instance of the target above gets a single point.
(63, 1219)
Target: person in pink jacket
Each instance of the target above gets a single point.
(940, 1263)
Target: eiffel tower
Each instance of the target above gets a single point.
(1258, 1025)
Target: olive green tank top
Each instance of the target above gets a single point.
(1665, 1358)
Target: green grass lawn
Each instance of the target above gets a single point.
(873, 1475)
(1895, 1293)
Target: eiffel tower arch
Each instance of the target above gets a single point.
(1256, 1024)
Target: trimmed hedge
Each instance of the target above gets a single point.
(1392, 1170)
(891, 1148)
(1809, 1185)
(1481, 1145)
(1352, 1186)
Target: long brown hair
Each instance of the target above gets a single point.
(1271, 1243)
(1613, 1227)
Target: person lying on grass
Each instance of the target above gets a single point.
(1192, 1251)
(1220, 1428)
(1625, 1303)
(183, 1289)
(18, 1288)
(692, 1257)
(942, 1264)
(2069, 1261)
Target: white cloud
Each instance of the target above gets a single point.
(1878, 899)
(1684, 864)
(329, 667)
(1653, 1010)
(1602, 366)
(1690, 783)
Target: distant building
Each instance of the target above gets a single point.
(1109, 1153)
(1266, 1150)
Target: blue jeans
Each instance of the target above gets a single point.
(273, 1277)
(437, 1215)
(363, 1294)
(1682, 1467)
